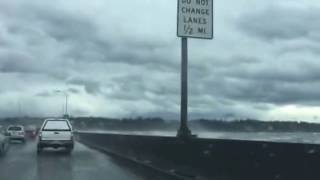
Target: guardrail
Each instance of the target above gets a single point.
(213, 158)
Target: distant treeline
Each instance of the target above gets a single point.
(141, 123)
(246, 125)
(123, 124)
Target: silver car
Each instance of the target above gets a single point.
(16, 132)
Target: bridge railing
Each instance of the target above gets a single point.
(213, 158)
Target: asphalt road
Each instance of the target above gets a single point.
(22, 163)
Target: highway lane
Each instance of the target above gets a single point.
(22, 163)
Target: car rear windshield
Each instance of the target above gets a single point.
(15, 128)
(56, 126)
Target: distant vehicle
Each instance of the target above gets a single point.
(31, 131)
(56, 133)
(16, 132)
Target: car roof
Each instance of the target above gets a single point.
(16, 126)
(56, 119)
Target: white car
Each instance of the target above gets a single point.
(16, 132)
(55, 133)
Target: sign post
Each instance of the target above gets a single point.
(195, 20)
(184, 131)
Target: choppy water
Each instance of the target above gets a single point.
(293, 137)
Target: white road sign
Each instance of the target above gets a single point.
(195, 18)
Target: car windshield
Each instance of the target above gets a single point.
(56, 126)
(15, 128)
(160, 89)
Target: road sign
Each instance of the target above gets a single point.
(195, 19)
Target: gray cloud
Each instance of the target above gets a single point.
(55, 92)
(90, 86)
(282, 23)
(44, 94)
(73, 90)
(258, 62)
(15, 62)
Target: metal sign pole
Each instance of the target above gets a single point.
(194, 25)
(184, 131)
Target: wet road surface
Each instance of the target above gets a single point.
(22, 163)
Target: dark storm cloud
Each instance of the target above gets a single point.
(16, 62)
(90, 86)
(134, 62)
(135, 87)
(55, 22)
(143, 54)
(156, 91)
(87, 44)
(44, 94)
(130, 88)
(50, 93)
(264, 89)
(73, 90)
(299, 46)
(250, 79)
(74, 41)
(67, 27)
(84, 42)
(300, 72)
(282, 23)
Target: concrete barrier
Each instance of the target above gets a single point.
(214, 158)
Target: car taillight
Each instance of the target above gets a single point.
(40, 135)
(71, 136)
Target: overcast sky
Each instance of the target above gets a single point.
(122, 59)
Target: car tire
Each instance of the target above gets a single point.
(69, 150)
(23, 141)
